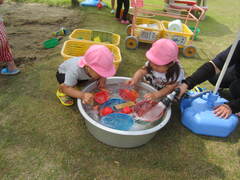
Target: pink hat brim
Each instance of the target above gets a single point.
(156, 61)
(103, 73)
(106, 74)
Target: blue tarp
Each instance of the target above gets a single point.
(91, 3)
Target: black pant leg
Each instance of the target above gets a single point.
(119, 7)
(235, 89)
(126, 8)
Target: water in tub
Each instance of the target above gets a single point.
(113, 90)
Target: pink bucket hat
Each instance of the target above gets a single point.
(162, 52)
(100, 59)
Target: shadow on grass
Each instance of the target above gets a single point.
(213, 28)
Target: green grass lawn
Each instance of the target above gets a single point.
(41, 139)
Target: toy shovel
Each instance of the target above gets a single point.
(51, 43)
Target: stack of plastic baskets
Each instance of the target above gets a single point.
(74, 48)
(96, 36)
(181, 38)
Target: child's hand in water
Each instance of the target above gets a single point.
(151, 96)
(101, 83)
(131, 82)
(87, 98)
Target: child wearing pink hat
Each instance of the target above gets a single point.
(162, 70)
(96, 64)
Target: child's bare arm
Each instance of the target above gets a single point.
(161, 93)
(70, 91)
(101, 83)
(138, 75)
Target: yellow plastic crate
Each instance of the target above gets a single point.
(94, 35)
(148, 34)
(181, 38)
(74, 48)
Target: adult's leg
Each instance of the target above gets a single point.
(119, 7)
(229, 77)
(235, 89)
(126, 8)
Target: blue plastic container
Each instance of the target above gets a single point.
(198, 116)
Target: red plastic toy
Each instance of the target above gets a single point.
(128, 95)
(126, 110)
(105, 111)
(101, 97)
(143, 106)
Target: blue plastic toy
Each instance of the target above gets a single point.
(112, 102)
(118, 121)
(198, 116)
(92, 3)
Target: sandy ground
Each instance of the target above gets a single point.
(29, 25)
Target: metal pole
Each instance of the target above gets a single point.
(229, 57)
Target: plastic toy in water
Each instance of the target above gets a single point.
(105, 111)
(126, 110)
(101, 96)
(118, 121)
(112, 102)
(128, 95)
(156, 112)
(123, 105)
(198, 116)
(91, 3)
(143, 106)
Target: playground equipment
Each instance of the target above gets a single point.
(74, 48)
(172, 5)
(147, 34)
(197, 110)
(93, 3)
(95, 35)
